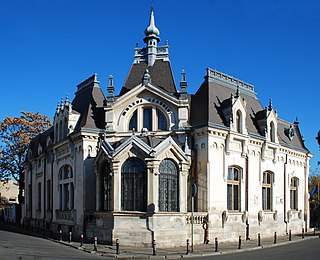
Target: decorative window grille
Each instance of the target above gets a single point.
(134, 185)
(168, 186)
(233, 188)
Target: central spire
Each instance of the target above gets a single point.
(152, 38)
(152, 30)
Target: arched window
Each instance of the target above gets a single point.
(272, 132)
(239, 121)
(162, 121)
(233, 188)
(168, 186)
(151, 118)
(267, 190)
(134, 185)
(133, 121)
(294, 193)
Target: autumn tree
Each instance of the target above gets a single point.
(15, 136)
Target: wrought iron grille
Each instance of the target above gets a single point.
(134, 185)
(168, 186)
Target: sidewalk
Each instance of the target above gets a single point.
(181, 252)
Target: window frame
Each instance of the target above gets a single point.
(168, 186)
(294, 187)
(233, 183)
(267, 198)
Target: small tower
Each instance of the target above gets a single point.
(152, 38)
(110, 89)
(183, 85)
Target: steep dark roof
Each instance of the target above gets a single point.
(297, 140)
(207, 102)
(89, 103)
(211, 97)
(160, 72)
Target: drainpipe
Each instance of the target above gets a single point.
(285, 193)
(247, 197)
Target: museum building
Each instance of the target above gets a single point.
(122, 166)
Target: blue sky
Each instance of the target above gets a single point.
(47, 47)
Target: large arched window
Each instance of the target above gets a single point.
(294, 193)
(267, 190)
(168, 186)
(233, 188)
(134, 185)
(151, 118)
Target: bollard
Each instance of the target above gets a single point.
(95, 243)
(275, 238)
(81, 241)
(302, 233)
(117, 246)
(154, 247)
(314, 231)
(216, 244)
(290, 235)
(239, 247)
(70, 237)
(259, 240)
(187, 246)
(60, 232)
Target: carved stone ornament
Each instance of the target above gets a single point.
(245, 216)
(290, 132)
(260, 216)
(300, 215)
(275, 215)
(289, 215)
(224, 216)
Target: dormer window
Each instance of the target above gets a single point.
(150, 118)
(272, 132)
(239, 121)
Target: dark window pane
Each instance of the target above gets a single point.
(268, 199)
(133, 121)
(230, 174)
(264, 194)
(147, 118)
(236, 174)
(236, 197)
(229, 196)
(162, 121)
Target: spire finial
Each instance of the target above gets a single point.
(270, 107)
(237, 92)
(110, 89)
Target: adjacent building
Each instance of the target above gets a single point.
(122, 167)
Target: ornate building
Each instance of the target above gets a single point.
(122, 167)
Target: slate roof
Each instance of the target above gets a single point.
(160, 72)
(88, 102)
(211, 97)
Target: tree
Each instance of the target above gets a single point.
(15, 136)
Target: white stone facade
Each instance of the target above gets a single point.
(122, 167)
